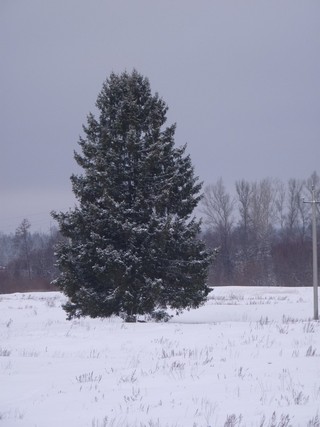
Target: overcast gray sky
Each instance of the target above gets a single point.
(241, 79)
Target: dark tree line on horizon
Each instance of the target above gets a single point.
(27, 260)
(263, 233)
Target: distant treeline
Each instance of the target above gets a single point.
(27, 261)
(262, 232)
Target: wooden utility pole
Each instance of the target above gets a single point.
(314, 202)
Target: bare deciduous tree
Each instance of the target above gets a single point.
(262, 211)
(244, 192)
(22, 240)
(218, 206)
(295, 189)
(280, 203)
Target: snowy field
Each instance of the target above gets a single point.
(249, 357)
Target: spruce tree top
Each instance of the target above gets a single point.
(128, 145)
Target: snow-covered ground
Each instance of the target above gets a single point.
(249, 357)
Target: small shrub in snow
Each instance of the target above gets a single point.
(283, 329)
(89, 378)
(263, 321)
(288, 319)
(284, 421)
(4, 352)
(29, 353)
(51, 302)
(308, 328)
(299, 398)
(311, 351)
(233, 421)
(94, 354)
(314, 422)
(14, 414)
(160, 316)
(132, 378)
(103, 423)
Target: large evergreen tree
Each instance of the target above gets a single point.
(131, 242)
